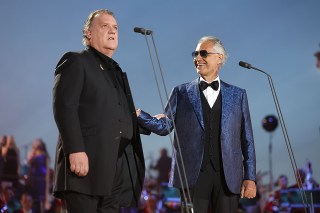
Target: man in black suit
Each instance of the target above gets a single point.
(99, 159)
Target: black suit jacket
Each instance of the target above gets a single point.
(85, 105)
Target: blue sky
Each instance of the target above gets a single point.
(279, 37)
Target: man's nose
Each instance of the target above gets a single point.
(198, 58)
(112, 30)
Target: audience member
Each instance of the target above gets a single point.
(300, 175)
(163, 166)
(152, 205)
(10, 162)
(3, 141)
(311, 183)
(26, 203)
(273, 204)
(36, 183)
(317, 55)
(10, 203)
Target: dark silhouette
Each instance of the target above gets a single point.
(163, 166)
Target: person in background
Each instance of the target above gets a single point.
(311, 183)
(10, 202)
(3, 141)
(273, 204)
(300, 175)
(99, 158)
(26, 203)
(317, 55)
(163, 166)
(38, 169)
(215, 134)
(10, 155)
(152, 205)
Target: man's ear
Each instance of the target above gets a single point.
(220, 56)
(88, 34)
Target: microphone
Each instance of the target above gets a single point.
(184, 182)
(142, 31)
(245, 64)
(284, 131)
(249, 66)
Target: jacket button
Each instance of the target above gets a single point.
(120, 132)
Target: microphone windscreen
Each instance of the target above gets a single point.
(142, 31)
(138, 30)
(245, 64)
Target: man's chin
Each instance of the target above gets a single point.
(113, 46)
(199, 71)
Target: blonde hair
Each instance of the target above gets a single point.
(87, 25)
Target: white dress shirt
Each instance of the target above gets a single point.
(211, 94)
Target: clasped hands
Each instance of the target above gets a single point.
(158, 116)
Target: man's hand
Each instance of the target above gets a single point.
(79, 163)
(138, 111)
(248, 189)
(158, 116)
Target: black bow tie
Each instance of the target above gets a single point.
(214, 85)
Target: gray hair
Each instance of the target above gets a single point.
(217, 46)
(87, 25)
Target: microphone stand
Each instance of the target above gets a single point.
(183, 183)
(270, 164)
(285, 133)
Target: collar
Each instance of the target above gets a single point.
(103, 57)
(216, 79)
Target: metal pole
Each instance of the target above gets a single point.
(270, 164)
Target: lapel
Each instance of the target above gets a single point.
(227, 99)
(194, 98)
(100, 68)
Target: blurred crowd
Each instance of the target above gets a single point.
(284, 197)
(280, 198)
(26, 187)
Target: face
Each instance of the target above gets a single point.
(26, 201)
(103, 34)
(36, 144)
(152, 203)
(7, 194)
(10, 141)
(207, 67)
(283, 182)
(302, 175)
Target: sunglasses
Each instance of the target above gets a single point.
(203, 53)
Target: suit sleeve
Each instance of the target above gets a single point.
(68, 84)
(247, 142)
(162, 126)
